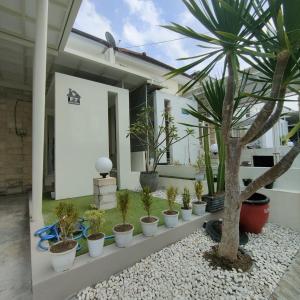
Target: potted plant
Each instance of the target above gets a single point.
(155, 140)
(149, 223)
(216, 195)
(171, 215)
(95, 238)
(247, 181)
(200, 168)
(254, 213)
(123, 232)
(186, 210)
(63, 252)
(198, 205)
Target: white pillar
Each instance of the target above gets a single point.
(276, 142)
(38, 106)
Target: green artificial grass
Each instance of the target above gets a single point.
(112, 216)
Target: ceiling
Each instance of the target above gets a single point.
(17, 32)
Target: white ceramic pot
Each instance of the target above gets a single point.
(199, 208)
(96, 246)
(186, 214)
(149, 229)
(123, 239)
(171, 220)
(63, 261)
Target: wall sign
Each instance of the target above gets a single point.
(73, 97)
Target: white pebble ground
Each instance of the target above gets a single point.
(180, 271)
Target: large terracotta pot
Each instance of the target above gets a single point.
(254, 213)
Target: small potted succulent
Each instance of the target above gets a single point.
(198, 205)
(63, 252)
(171, 215)
(186, 210)
(95, 238)
(247, 181)
(123, 232)
(149, 223)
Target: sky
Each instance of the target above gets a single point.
(137, 22)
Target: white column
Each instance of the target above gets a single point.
(38, 106)
(276, 142)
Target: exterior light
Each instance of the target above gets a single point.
(214, 149)
(103, 165)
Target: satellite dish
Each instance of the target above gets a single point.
(110, 39)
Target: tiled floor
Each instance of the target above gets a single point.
(15, 271)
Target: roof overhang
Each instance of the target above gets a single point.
(18, 19)
(17, 36)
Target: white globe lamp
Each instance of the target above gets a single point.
(103, 166)
(214, 149)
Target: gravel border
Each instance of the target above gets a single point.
(180, 271)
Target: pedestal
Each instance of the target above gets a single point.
(105, 192)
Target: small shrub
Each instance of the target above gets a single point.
(186, 199)
(67, 216)
(171, 197)
(95, 219)
(198, 189)
(123, 204)
(146, 198)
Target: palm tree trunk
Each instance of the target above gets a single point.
(229, 245)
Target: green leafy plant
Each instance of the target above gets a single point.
(147, 199)
(123, 204)
(186, 198)
(67, 216)
(266, 35)
(95, 219)
(290, 134)
(198, 186)
(171, 197)
(156, 140)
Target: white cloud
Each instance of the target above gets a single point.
(131, 33)
(148, 30)
(88, 20)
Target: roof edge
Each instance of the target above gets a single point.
(128, 52)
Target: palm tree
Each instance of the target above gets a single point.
(254, 31)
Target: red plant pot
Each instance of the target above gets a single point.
(254, 213)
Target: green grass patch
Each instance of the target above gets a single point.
(112, 216)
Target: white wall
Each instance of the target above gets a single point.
(81, 135)
(188, 147)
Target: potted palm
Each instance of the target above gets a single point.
(149, 223)
(198, 205)
(155, 141)
(95, 238)
(171, 215)
(186, 210)
(63, 252)
(123, 232)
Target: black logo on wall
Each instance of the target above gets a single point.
(73, 97)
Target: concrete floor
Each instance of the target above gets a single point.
(289, 285)
(15, 270)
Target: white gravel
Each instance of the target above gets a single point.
(180, 272)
